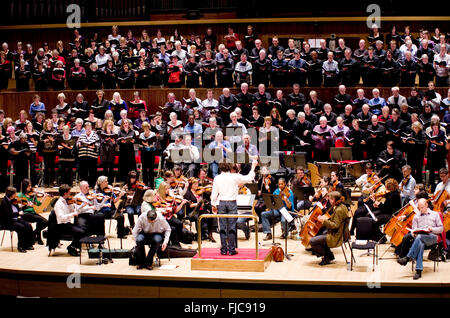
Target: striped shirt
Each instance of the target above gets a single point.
(84, 141)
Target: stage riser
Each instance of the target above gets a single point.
(44, 289)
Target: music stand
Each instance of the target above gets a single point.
(137, 197)
(272, 202)
(253, 187)
(302, 193)
(341, 153)
(325, 168)
(300, 159)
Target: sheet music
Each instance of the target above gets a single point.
(286, 214)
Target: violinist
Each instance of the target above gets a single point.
(29, 214)
(266, 184)
(383, 211)
(321, 195)
(334, 228)
(373, 201)
(288, 202)
(407, 185)
(197, 206)
(170, 213)
(301, 179)
(108, 201)
(366, 180)
(65, 211)
(86, 207)
(11, 218)
(426, 228)
(178, 183)
(130, 188)
(335, 183)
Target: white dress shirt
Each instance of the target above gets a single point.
(226, 186)
(64, 212)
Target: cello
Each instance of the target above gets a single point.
(438, 201)
(312, 226)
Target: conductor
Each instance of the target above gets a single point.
(223, 200)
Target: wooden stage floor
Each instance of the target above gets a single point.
(36, 274)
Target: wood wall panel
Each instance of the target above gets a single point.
(14, 102)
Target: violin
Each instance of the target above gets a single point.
(335, 184)
(370, 178)
(405, 181)
(243, 190)
(174, 200)
(139, 185)
(201, 190)
(376, 196)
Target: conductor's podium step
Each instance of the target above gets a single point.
(244, 261)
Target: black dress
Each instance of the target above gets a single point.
(127, 160)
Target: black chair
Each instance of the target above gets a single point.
(346, 239)
(364, 230)
(11, 232)
(437, 248)
(96, 240)
(53, 235)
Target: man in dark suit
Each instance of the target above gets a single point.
(10, 218)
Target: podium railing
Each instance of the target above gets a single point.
(225, 216)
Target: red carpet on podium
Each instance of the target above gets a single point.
(243, 254)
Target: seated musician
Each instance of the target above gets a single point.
(29, 214)
(299, 180)
(197, 205)
(109, 203)
(130, 189)
(288, 202)
(321, 195)
(266, 184)
(11, 217)
(443, 185)
(149, 229)
(376, 197)
(177, 182)
(407, 185)
(173, 206)
(335, 183)
(426, 228)
(333, 235)
(366, 180)
(86, 207)
(65, 211)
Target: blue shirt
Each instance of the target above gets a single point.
(291, 198)
(376, 101)
(34, 109)
(213, 144)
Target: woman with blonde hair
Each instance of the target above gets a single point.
(117, 104)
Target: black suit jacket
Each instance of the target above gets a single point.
(7, 216)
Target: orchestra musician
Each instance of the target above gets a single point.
(198, 205)
(11, 218)
(86, 205)
(288, 202)
(65, 211)
(426, 228)
(130, 188)
(173, 205)
(407, 185)
(376, 197)
(29, 214)
(366, 180)
(333, 234)
(109, 200)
